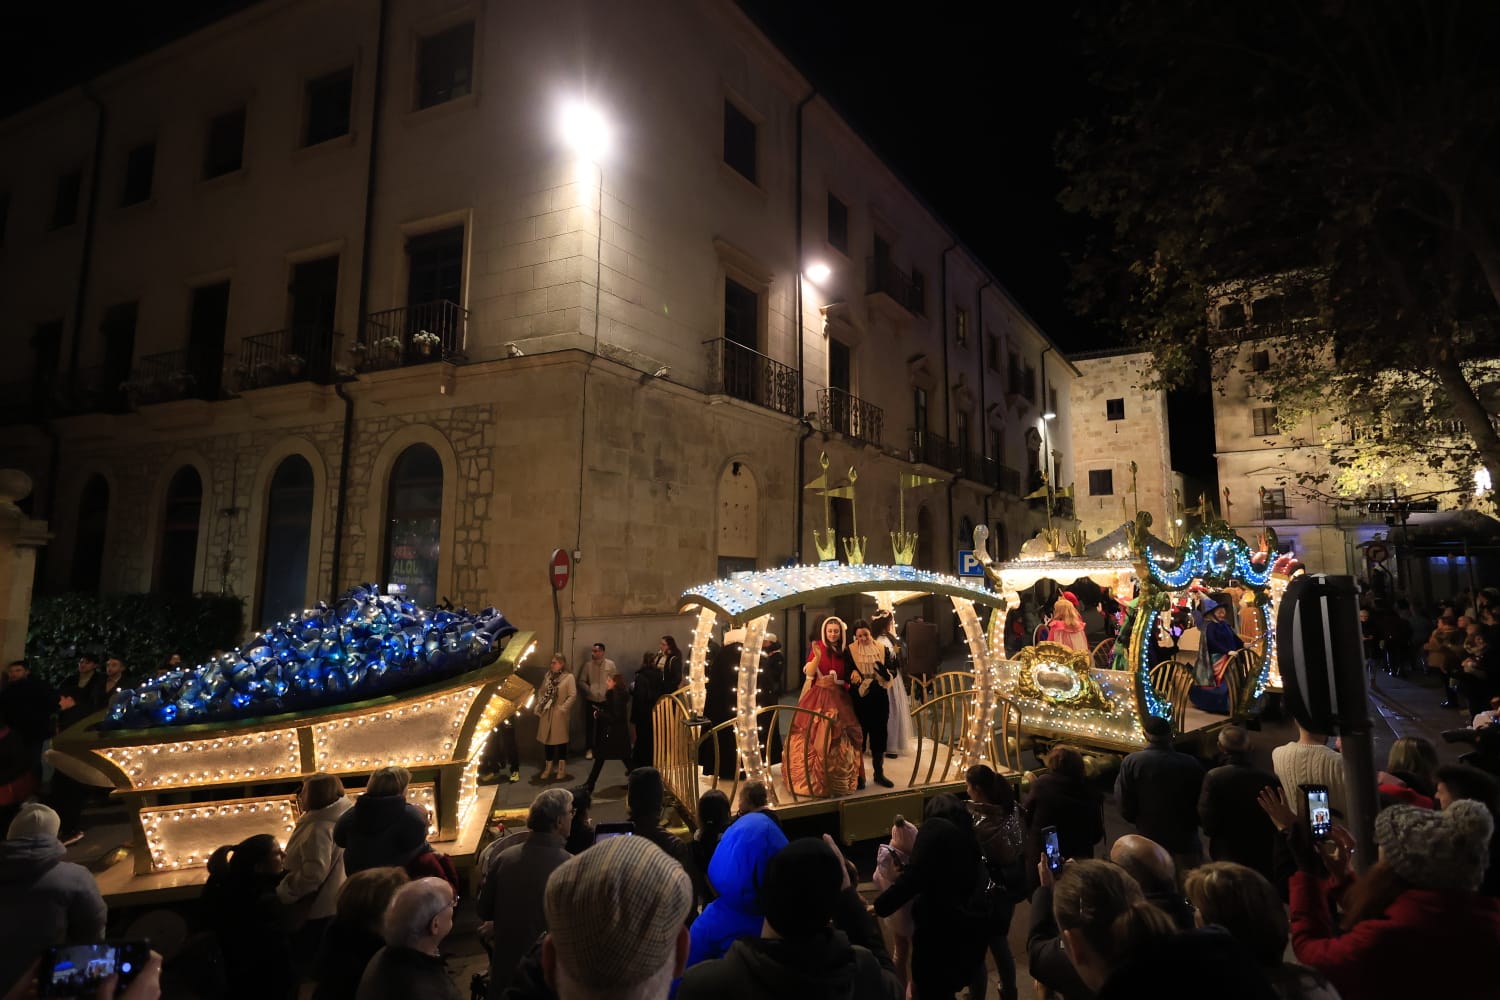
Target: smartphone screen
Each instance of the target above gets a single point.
(604, 831)
(1052, 849)
(1319, 815)
(73, 969)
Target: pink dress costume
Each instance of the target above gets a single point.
(807, 768)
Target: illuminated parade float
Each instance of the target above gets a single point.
(213, 754)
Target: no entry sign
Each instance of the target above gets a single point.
(561, 568)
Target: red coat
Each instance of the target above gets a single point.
(1429, 944)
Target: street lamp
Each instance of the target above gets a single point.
(818, 273)
(584, 130)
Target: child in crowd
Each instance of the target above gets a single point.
(890, 859)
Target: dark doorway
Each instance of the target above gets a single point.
(283, 572)
(435, 268)
(118, 330)
(414, 520)
(177, 558)
(742, 336)
(210, 319)
(312, 300)
(88, 546)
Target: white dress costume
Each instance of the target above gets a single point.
(898, 729)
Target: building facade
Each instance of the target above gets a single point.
(324, 293)
(1117, 422)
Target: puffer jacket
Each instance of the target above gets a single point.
(379, 830)
(736, 872)
(314, 864)
(44, 901)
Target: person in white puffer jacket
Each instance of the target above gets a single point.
(314, 863)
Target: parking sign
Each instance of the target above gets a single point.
(969, 564)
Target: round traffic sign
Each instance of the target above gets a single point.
(560, 569)
(1376, 552)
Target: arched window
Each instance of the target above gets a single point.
(283, 570)
(177, 559)
(414, 518)
(88, 548)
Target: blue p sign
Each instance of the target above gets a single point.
(969, 564)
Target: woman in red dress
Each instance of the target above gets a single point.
(809, 768)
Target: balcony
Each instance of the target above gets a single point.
(884, 278)
(98, 389)
(735, 370)
(296, 354)
(929, 449)
(413, 335)
(1002, 477)
(850, 416)
(175, 375)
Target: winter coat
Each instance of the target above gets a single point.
(512, 898)
(88, 698)
(1158, 790)
(379, 831)
(1196, 959)
(613, 739)
(1393, 955)
(593, 678)
(1237, 828)
(251, 928)
(314, 864)
(1073, 807)
(826, 967)
(341, 961)
(406, 974)
(947, 879)
(29, 706)
(552, 722)
(44, 901)
(736, 871)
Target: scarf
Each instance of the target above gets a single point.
(549, 690)
(869, 659)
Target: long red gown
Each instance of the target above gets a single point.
(806, 768)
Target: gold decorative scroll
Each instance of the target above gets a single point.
(1058, 675)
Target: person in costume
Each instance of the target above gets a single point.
(869, 681)
(823, 756)
(898, 720)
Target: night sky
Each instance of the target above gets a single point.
(964, 99)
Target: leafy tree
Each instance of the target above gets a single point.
(1351, 148)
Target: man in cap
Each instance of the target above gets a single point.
(616, 923)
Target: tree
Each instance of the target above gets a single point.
(1346, 147)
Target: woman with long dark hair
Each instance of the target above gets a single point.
(669, 661)
(1062, 797)
(997, 827)
(248, 920)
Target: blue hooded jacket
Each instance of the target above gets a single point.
(736, 872)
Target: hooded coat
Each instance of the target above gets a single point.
(44, 901)
(736, 873)
(314, 864)
(380, 831)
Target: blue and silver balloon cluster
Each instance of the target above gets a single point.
(367, 644)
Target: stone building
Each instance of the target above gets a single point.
(1117, 420)
(417, 293)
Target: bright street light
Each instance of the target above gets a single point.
(1049, 416)
(818, 273)
(584, 129)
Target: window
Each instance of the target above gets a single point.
(1260, 361)
(961, 435)
(1051, 398)
(1273, 505)
(1101, 482)
(414, 520)
(1263, 420)
(140, 165)
(1232, 316)
(207, 322)
(177, 558)
(1028, 383)
(1114, 409)
(961, 327)
(739, 142)
(284, 552)
(65, 199)
(224, 152)
(327, 107)
(838, 219)
(445, 66)
(1013, 385)
(918, 293)
(992, 349)
(118, 331)
(919, 414)
(88, 547)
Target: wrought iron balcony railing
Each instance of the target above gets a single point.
(413, 335)
(884, 278)
(930, 449)
(850, 416)
(296, 354)
(195, 373)
(99, 389)
(736, 370)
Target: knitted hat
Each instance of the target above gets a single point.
(1437, 850)
(801, 890)
(614, 912)
(34, 820)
